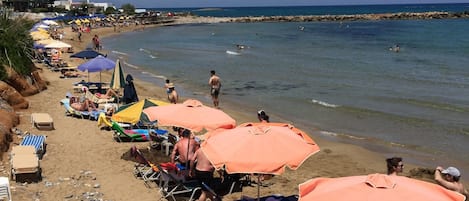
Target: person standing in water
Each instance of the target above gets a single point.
(215, 85)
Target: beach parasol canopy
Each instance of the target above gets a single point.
(264, 148)
(258, 148)
(117, 78)
(374, 187)
(58, 44)
(50, 22)
(97, 64)
(86, 54)
(133, 112)
(192, 115)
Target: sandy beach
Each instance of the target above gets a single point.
(84, 162)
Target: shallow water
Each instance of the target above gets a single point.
(339, 77)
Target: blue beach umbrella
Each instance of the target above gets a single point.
(86, 54)
(97, 64)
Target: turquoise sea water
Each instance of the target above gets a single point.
(339, 77)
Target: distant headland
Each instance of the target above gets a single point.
(188, 18)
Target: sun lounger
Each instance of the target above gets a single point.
(170, 186)
(25, 164)
(42, 121)
(145, 169)
(133, 134)
(5, 191)
(37, 141)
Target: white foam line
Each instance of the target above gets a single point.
(131, 65)
(324, 103)
(117, 52)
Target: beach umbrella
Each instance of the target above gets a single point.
(192, 115)
(133, 112)
(50, 22)
(117, 78)
(374, 187)
(97, 64)
(262, 148)
(86, 54)
(58, 44)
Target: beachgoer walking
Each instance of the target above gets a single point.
(79, 35)
(203, 172)
(166, 85)
(215, 86)
(449, 178)
(172, 95)
(96, 42)
(394, 165)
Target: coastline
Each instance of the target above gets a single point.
(78, 145)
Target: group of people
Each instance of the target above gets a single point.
(448, 178)
(214, 83)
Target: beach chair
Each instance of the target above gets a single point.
(170, 186)
(5, 191)
(144, 168)
(96, 99)
(69, 111)
(141, 135)
(37, 141)
(42, 121)
(25, 164)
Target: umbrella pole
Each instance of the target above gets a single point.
(258, 187)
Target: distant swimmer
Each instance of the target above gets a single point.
(395, 48)
(301, 28)
(240, 47)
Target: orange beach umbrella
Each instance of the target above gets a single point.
(258, 148)
(192, 115)
(374, 187)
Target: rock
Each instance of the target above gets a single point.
(96, 186)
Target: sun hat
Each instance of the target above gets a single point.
(170, 85)
(451, 171)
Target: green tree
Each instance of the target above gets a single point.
(109, 10)
(15, 45)
(128, 9)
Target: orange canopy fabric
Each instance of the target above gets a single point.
(374, 187)
(295, 130)
(192, 115)
(263, 148)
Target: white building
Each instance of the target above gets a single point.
(69, 4)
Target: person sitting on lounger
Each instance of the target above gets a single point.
(110, 93)
(82, 104)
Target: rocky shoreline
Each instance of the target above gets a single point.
(319, 18)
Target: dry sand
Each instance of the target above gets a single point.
(83, 160)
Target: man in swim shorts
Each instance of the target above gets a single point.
(203, 172)
(215, 85)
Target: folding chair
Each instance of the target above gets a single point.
(170, 186)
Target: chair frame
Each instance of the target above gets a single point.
(170, 186)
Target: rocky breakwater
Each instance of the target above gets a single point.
(385, 16)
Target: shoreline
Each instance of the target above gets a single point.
(78, 145)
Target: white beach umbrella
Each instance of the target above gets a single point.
(58, 44)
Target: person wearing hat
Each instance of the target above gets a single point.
(172, 94)
(449, 178)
